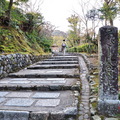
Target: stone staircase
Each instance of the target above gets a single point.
(46, 90)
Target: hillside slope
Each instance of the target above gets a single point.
(14, 40)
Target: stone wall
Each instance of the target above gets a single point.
(14, 62)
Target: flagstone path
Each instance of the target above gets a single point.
(53, 89)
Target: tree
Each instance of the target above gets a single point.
(109, 11)
(8, 12)
(33, 20)
(84, 7)
(45, 35)
(73, 36)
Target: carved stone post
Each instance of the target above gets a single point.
(108, 102)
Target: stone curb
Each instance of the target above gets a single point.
(84, 106)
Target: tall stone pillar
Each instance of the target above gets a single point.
(108, 102)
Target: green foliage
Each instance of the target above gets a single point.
(73, 35)
(35, 41)
(12, 41)
(88, 48)
(45, 43)
(119, 42)
(23, 32)
(109, 11)
(73, 20)
(17, 17)
(3, 7)
(33, 20)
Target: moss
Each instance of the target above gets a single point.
(12, 41)
(94, 104)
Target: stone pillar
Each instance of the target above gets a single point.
(108, 102)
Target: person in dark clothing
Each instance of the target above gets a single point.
(63, 47)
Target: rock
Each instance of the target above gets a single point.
(91, 106)
(92, 83)
(95, 73)
(71, 111)
(90, 80)
(76, 93)
(39, 116)
(86, 116)
(92, 88)
(14, 115)
(92, 76)
(96, 117)
(93, 96)
(93, 100)
(81, 117)
(93, 111)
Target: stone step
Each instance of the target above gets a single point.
(62, 59)
(38, 84)
(56, 66)
(46, 73)
(57, 62)
(56, 105)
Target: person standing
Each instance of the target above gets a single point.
(63, 47)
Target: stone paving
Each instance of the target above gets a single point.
(47, 93)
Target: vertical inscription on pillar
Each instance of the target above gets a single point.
(108, 63)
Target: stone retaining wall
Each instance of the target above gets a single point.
(14, 62)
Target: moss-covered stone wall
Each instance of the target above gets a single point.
(14, 62)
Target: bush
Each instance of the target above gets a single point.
(88, 48)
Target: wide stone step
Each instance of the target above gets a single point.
(60, 105)
(62, 59)
(46, 73)
(57, 62)
(56, 66)
(40, 84)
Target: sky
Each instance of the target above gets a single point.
(57, 11)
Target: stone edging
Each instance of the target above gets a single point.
(84, 107)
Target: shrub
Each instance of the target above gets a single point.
(88, 48)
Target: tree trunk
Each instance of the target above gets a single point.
(9, 10)
(105, 22)
(111, 22)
